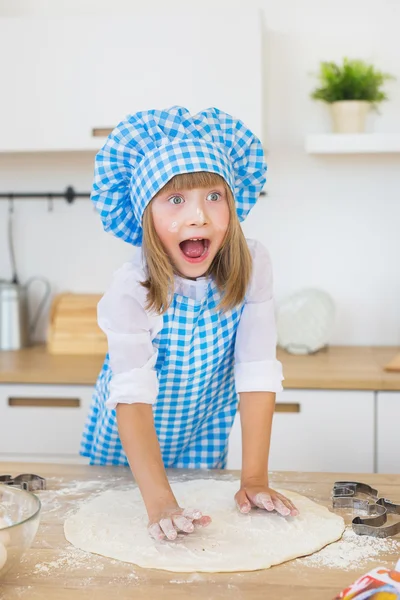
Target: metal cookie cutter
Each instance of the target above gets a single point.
(343, 496)
(26, 481)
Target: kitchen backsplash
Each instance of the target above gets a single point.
(323, 230)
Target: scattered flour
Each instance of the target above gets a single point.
(195, 577)
(70, 558)
(60, 501)
(351, 551)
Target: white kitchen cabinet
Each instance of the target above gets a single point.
(42, 422)
(388, 432)
(324, 430)
(61, 78)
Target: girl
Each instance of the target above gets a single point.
(190, 321)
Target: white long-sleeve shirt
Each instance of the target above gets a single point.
(130, 329)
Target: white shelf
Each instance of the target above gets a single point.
(358, 143)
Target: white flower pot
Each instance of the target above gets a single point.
(349, 116)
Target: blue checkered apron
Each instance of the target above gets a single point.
(197, 400)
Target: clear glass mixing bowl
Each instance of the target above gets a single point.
(19, 522)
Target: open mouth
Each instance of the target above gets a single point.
(194, 249)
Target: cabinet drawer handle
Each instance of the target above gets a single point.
(287, 407)
(44, 402)
(101, 131)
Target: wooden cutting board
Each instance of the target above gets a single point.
(73, 327)
(394, 364)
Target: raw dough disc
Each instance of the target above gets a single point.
(114, 524)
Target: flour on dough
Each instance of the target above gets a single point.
(114, 524)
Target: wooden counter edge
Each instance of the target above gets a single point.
(336, 368)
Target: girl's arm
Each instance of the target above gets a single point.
(257, 370)
(256, 413)
(139, 439)
(140, 442)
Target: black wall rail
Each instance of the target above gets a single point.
(69, 195)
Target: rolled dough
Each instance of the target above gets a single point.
(114, 524)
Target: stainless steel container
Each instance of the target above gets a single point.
(15, 326)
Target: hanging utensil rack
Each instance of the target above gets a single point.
(69, 195)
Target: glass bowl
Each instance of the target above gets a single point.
(19, 522)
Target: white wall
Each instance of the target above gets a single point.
(330, 222)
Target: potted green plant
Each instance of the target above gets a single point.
(351, 90)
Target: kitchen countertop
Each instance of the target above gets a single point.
(54, 570)
(338, 367)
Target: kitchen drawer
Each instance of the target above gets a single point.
(323, 430)
(388, 432)
(40, 422)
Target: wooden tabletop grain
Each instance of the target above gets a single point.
(54, 570)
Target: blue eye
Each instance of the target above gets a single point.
(214, 196)
(174, 198)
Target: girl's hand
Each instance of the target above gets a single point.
(262, 496)
(169, 521)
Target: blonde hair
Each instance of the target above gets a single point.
(232, 265)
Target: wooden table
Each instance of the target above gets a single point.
(336, 368)
(54, 570)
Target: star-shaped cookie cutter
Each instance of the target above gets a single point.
(343, 496)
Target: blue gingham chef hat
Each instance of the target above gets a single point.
(150, 147)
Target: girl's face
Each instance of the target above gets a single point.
(191, 225)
